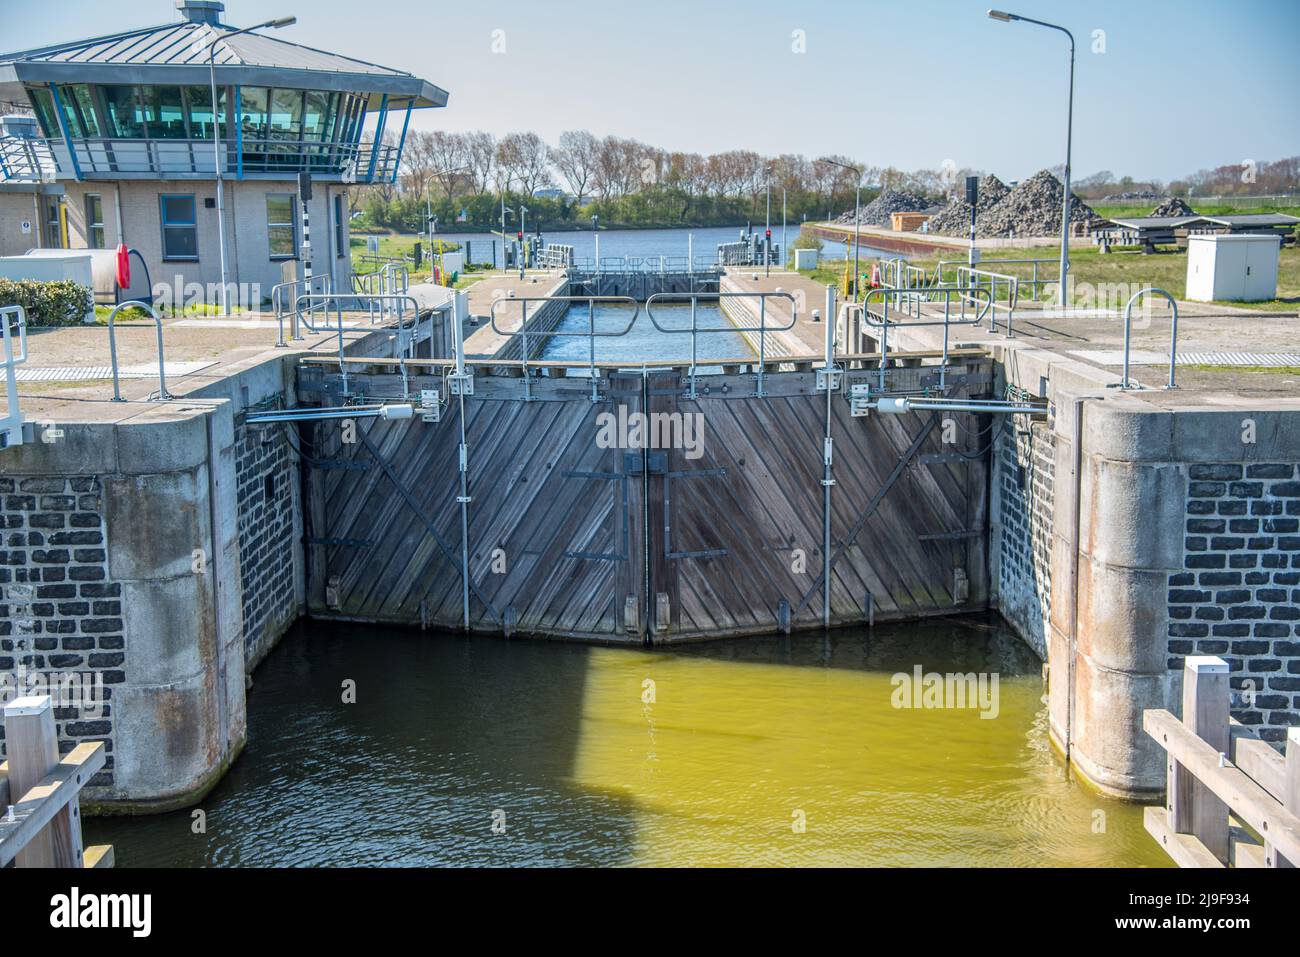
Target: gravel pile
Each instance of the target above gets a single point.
(954, 219)
(1140, 194)
(1032, 209)
(878, 211)
(1173, 207)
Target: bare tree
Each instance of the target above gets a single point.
(575, 158)
(481, 158)
(524, 159)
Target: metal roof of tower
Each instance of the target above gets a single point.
(177, 53)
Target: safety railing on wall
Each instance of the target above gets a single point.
(13, 322)
(1126, 382)
(961, 296)
(281, 297)
(162, 393)
(394, 306)
(694, 330)
(591, 333)
(1036, 280)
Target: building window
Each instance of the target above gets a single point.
(125, 118)
(53, 224)
(44, 105)
(164, 112)
(94, 221)
(279, 225)
(180, 234)
(340, 233)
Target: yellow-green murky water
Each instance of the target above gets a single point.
(770, 751)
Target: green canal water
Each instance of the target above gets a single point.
(768, 751)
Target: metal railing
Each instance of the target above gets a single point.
(881, 320)
(11, 426)
(278, 295)
(555, 256)
(694, 330)
(391, 305)
(1035, 281)
(1173, 333)
(141, 157)
(973, 276)
(590, 332)
(163, 394)
(26, 160)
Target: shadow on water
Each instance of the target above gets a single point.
(773, 750)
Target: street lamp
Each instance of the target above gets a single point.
(595, 219)
(1069, 134)
(216, 142)
(857, 218)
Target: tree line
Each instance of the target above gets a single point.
(464, 178)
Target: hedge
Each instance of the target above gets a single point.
(59, 302)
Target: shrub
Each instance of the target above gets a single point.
(59, 302)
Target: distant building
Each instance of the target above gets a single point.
(117, 146)
(550, 192)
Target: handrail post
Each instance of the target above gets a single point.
(523, 329)
(762, 329)
(1193, 807)
(32, 744)
(591, 341)
(1173, 341)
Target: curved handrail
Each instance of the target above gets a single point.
(112, 348)
(1173, 333)
(947, 322)
(591, 334)
(277, 303)
(404, 336)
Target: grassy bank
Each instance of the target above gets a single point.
(1095, 272)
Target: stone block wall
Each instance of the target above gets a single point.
(1237, 595)
(1024, 469)
(59, 610)
(270, 522)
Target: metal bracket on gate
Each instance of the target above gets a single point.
(829, 379)
(860, 399)
(460, 384)
(430, 405)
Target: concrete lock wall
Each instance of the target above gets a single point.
(161, 556)
(1127, 536)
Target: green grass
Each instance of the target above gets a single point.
(135, 313)
(1094, 272)
(1130, 212)
(1254, 370)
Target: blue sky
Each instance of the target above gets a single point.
(909, 83)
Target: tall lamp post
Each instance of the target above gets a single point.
(767, 229)
(217, 142)
(523, 239)
(857, 218)
(504, 209)
(1069, 134)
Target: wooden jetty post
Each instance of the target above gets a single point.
(1224, 783)
(42, 825)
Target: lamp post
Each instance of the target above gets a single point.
(857, 218)
(767, 229)
(523, 239)
(504, 210)
(1069, 135)
(216, 142)
(595, 234)
(785, 250)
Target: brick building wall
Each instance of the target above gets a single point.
(1024, 466)
(60, 612)
(1238, 593)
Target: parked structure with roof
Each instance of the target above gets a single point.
(1152, 231)
(119, 146)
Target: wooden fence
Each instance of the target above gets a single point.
(1232, 798)
(42, 825)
